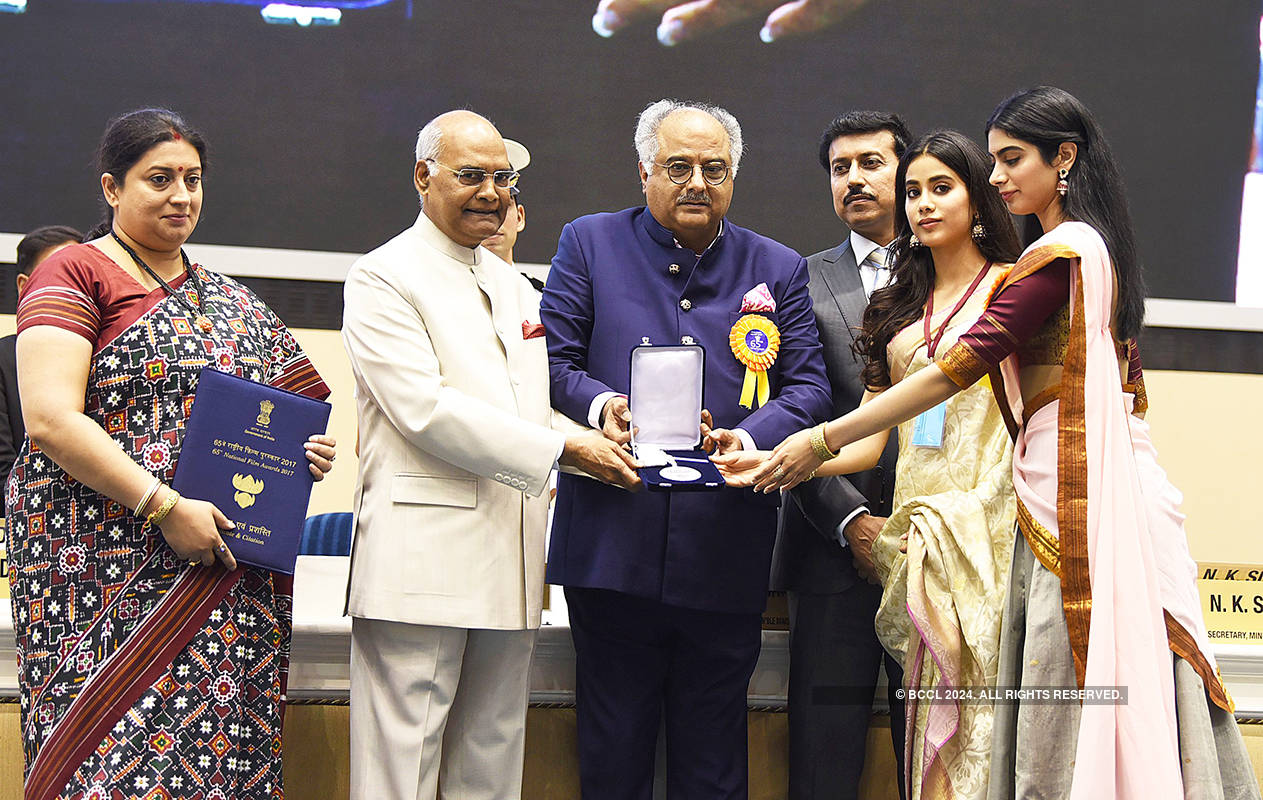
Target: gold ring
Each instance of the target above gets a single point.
(193, 563)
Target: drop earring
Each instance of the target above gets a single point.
(978, 232)
(1062, 185)
(913, 241)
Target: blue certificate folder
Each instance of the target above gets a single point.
(243, 451)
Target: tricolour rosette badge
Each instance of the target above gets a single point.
(755, 342)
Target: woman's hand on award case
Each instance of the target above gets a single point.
(792, 462)
(740, 466)
(192, 529)
(321, 452)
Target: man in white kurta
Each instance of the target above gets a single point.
(456, 449)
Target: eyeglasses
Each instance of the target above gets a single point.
(473, 176)
(681, 172)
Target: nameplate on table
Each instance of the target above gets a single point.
(1232, 602)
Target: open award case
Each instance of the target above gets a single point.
(666, 408)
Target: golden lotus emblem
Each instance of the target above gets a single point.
(247, 487)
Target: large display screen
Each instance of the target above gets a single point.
(311, 113)
(1250, 256)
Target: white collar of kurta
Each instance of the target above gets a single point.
(862, 247)
(435, 238)
(718, 235)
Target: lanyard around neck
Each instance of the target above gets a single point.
(200, 318)
(932, 342)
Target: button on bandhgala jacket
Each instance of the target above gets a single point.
(611, 284)
(456, 448)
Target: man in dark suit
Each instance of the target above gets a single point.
(666, 589)
(36, 246)
(823, 556)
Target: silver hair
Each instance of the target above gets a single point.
(651, 118)
(429, 140)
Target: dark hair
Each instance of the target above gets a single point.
(902, 302)
(37, 241)
(853, 122)
(1046, 117)
(126, 140)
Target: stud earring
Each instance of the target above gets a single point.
(1062, 185)
(913, 241)
(978, 231)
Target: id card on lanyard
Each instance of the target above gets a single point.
(929, 426)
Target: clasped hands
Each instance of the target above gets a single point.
(792, 462)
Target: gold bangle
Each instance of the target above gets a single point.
(818, 444)
(155, 519)
(147, 496)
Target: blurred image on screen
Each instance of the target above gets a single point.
(1250, 255)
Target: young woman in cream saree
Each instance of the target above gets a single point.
(943, 555)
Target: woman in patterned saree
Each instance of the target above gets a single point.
(150, 665)
(953, 505)
(1102, 592)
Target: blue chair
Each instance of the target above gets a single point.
(327, 535)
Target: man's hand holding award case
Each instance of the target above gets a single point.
(243, 451)
(666, 406)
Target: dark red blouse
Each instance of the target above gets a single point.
(82, 290)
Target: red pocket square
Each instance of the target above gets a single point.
(532, 330)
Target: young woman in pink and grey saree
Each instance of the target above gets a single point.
(1102, 592)
(148, 660)
(943, 556)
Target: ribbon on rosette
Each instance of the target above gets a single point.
(755, 341)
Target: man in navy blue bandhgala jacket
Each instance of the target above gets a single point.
(665, 590)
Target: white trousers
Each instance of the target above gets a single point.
(437, 712)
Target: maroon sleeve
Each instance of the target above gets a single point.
(1014, 315)
(63, 292)
(1134, 372)
(1136, 379)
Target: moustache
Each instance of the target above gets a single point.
(856, 195)
(693, 197)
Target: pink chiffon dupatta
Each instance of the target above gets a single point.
(1105, 520)
(1132, 747)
